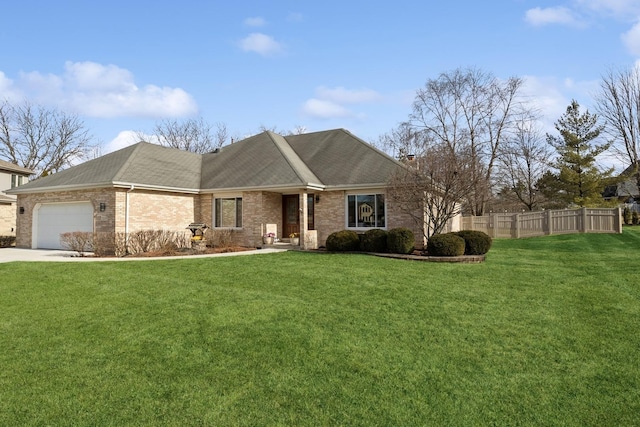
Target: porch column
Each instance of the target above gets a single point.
(304, 218)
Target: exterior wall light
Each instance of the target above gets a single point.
(103, 206)
(21, 210)
(317, 198)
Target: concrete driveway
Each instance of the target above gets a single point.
(15, 254)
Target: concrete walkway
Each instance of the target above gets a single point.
(39, 255)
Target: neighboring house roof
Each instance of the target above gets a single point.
(13, 168)
(318, 160)
(6, 200)
(626, 187)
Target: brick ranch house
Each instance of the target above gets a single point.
(313, 184)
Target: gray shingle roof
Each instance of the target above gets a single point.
(142, 164)
(334, 158)
(263, 160)
(338, 158)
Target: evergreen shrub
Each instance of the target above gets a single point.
(475, 242)
(400, 241)
(374, 241)
(343, 241)
(445, 245)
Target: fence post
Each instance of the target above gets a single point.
(618, 220)
(495, 225)
(550, 222)
(584, 220)
(517, 219)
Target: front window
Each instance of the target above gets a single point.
(228, 212)
(366, 211)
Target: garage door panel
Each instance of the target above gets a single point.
(55, 219)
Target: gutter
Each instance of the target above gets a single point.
(126, 212)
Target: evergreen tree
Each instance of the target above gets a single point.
(578, 179)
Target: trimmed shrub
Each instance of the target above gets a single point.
(400, 241)
(475, 242)
(374, 241)
(445, 245)
(635, 218)
(341, 241)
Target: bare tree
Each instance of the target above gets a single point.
(618, 105)
(43, 140)
(469, 111)
(432, 187)
(524, 159)
(194, 135)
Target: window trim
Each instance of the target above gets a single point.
(228, 197)
(375, 193)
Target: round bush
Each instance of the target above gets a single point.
(374, 241)
(475, 242)
(341, 241)
(400, 241)
(445, 245)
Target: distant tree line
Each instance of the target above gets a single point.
(472, 144)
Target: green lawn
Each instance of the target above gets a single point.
(545, 332)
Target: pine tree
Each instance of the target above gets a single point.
(578, 180)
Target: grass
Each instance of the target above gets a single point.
(545, 332)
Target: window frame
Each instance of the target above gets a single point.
(237, 202)
(375, 194)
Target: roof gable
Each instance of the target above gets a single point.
(339, 158)
(263, 160)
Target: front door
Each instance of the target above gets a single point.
(290, 215)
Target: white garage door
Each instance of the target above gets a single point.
(54, 219)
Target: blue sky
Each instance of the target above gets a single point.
(122, 66)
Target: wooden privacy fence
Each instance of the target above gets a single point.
(531, 224)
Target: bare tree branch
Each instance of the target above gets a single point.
(618, 104)
(44, 140)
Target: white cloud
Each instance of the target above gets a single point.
(124, 139)
(256, 21)
(619, 8)
(552, 15)
(97, 90)
(631, 39)
(8, 90)
(324, 109)
(551, 96)
(262, 44)
(330, 102)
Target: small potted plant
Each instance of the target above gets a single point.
(268, 238)
(294, 239)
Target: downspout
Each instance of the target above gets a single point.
(126, 216)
